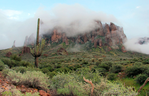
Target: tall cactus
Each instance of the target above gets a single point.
(37, 51)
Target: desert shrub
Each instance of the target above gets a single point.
(84, 62)
(100, 59)
(5, 71)
(117, 89)
(93, 60)
(14, 63)
(67, 83)
(15, 92)
(24, 63)
(76, 66)
(7, 93)
(141, 78)
(20, 69)
(15, 57)
(35, 79)
(2, 66)
(146, 61)
(111, 76)
(116, 68)
(98, 63)
(65, 70)
(135, 70)
(102, 71)
(51, 74)
(45, 70)
(87, 73)
(138, 63)
(146, 72)
(104, 66)
(32, 69)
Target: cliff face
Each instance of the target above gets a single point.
(105, 35)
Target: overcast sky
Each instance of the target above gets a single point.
(18, 18)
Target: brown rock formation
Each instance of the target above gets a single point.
(113, 27)
(100, 29)
(111, 35)
(8, 54)
(25, 50)
(95, 43)
(85, 38)
(100, 42)
(123, 49)
(107, 29)
(55, 36)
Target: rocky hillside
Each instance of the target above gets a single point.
(109, 35)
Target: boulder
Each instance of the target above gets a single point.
(43, 93)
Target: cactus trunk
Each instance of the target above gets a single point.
(37, 43)
(36, 62)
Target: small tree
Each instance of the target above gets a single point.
(37, 51)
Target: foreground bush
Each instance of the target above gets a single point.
(68, 83)
(22, 69)
(15, 92)
(141, 78)
(35, 79)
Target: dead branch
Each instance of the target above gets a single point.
(143, 84)
(90, 82)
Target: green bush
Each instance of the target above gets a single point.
(2, 66)
(24, 63)
(13, 63)
(102, 71)
(15, 57)
(35, 79)
(116, 68)
(65, 70)
(5, 71)
(104, 66)
(15, 92)
(45, 70)
(135, 70)
(141, 78)
(146, 72)
(146, 61)
(111, 76)
(20, 69)
(51, 74)
(67, 83)
(138, 63)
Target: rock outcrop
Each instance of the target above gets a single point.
(109, 35)
(25, 50)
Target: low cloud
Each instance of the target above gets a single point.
(133, 45)
(72, 19)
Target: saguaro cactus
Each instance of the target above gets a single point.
(37, 51)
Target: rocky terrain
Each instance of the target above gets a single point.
(105, 35)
